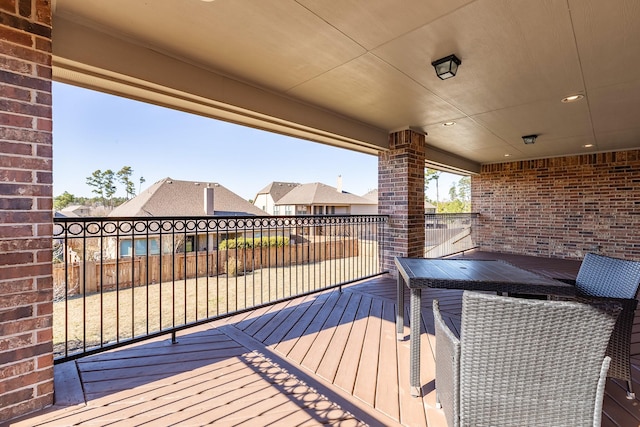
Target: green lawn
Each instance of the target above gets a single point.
(133, 312)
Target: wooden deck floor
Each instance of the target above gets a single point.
(328, 359)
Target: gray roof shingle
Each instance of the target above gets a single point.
(321, 194)
(278, 189)
(170, 197)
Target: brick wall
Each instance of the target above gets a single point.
(26, 358)
(561, 207)
(401, 196)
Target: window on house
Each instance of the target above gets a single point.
(288, 210)
(139, 247)
(189, 243)
(276, 210)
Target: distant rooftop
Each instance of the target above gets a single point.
(321, 194)
(277, 190)
(170, 197)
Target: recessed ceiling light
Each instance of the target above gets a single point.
(448, 123)
(507, 155)
(572, 98)
(588, 145)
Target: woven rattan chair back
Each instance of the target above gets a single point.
(603, 276)
(526, 362)
(606, 277)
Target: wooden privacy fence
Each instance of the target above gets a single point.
(94, 276)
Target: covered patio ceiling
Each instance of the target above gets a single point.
(349, 72)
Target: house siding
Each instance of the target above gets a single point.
(26, 351)
(561, 207)
(364, 209)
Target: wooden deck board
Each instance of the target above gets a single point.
(365, 387)
(387, 380)
(345, 377)
(247, 369)
(324, 336)
(255, 328)
(306, 326)
(336, 348)
(282, 323)
(412, 409)
(304, 342)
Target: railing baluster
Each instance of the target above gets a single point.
(326, 251)
(446, 234)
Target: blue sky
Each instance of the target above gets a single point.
(93, 130)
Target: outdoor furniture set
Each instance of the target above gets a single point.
(524, 361)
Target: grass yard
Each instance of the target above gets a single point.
(132, 312)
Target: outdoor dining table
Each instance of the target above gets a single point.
(477, 275)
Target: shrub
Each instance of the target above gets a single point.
(258, 242)
(235, 267)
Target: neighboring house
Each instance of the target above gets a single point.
(75, 211)
(173, 198)
(267, 198)
(429, 208)
(321, 199)
(372, 195)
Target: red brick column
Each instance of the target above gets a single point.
(26, 350)
(401, 196)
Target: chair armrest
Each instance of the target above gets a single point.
(607, 303)
(447, 368)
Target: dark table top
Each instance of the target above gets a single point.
(478, 275)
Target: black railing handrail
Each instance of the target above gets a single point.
(213, 217)
(446, 214)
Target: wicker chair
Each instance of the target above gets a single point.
(523, 362)
(606, 277)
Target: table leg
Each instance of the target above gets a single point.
(400, 308)
(414, 342)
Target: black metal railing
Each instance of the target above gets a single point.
(121, 280)
(449, 233)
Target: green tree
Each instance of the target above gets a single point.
(103, 183)
(96, 180)
(432, 175)
(142, 181)
(453, 192)
(464, 189)
(453, 206)
(124, 176)
(63, 200)
(460, 197)
(109, 185)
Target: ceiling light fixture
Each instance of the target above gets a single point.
(588, 145)
(572, 98)
(447, 124)
(529, 139)
(446, 67)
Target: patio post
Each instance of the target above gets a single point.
(401, 196)
(26, 294)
